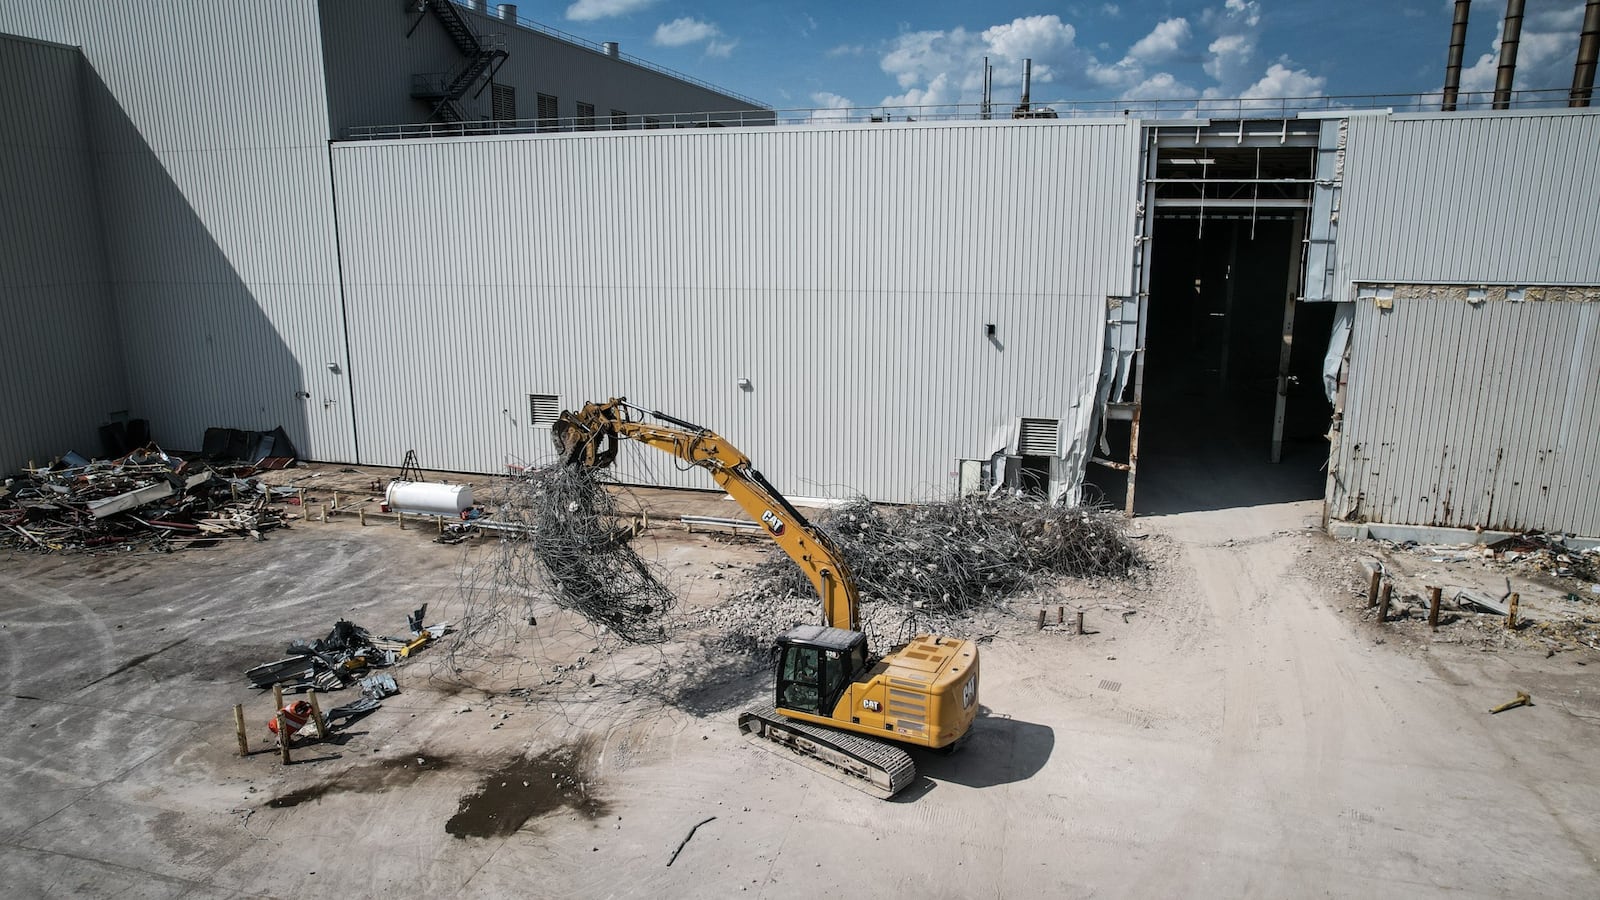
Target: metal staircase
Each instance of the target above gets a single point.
(482, 60)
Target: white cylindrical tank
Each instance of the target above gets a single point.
(428, 498)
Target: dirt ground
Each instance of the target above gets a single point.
(1235, 724)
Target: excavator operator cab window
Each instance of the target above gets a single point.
(835, 675)
(799, 680)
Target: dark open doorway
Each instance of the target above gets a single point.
(1220, 288)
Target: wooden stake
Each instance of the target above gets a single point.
(1511, 613)
(283, 736)
(401, 518)
(335, 499)
(238, 726)
(1433, 608)
(324, 509)
(1383, 600)
(1372, 587)
(316, 713)
(302, 499)
(233, 489)
(441, 523)
(1041, 617)
(1061, 615)
(277, 697)
(1078, 627)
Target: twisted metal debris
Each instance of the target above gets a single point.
(577, 553)
(147, 498)
(955, 557)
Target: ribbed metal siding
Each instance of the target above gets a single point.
(1491, 199)
(209, 126)
(848, 273)
(1473, 416)
(61, 372)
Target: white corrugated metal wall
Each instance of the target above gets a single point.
(1463, 414)
(60, 356)
(209, 126)
(848, 273)
(1505, 198)
(1473, 415)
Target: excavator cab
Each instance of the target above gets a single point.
(816, 665)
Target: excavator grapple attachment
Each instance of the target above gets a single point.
(588, 436)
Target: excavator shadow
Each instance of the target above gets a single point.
(999, 750)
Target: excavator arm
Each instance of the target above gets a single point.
(589, 437)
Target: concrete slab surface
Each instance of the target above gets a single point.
(1243, 733)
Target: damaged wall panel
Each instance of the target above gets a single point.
(1472, 413)
(60, 356)
(847, 272)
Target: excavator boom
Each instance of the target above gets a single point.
(589, 437)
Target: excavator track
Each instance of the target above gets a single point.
(865, 764)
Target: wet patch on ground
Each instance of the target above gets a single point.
(528, 788)
(380, 775)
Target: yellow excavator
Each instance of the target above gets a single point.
(837, 703)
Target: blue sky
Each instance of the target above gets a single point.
(870, 54)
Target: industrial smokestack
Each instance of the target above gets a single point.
(1510, 35)
(988, 82)
(1027, 82)
(1588, 50)
(1458, 46)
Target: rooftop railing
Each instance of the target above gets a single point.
(1185, 108)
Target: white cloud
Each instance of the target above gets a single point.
(1038, 37)
(683, 31)
(589, 10)
(830, 107)
(1111, 9)
(1281, 81)
(1160, 86)
(1162, 41)
(1246, 11)
(943, 67)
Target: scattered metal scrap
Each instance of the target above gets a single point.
(145, 498)
(1522, 699)
(341, 658)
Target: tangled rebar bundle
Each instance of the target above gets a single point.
(957, 556)
(586, 561)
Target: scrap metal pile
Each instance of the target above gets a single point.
(344, 656)
(586, 561)
(146, 498)
(958, 556)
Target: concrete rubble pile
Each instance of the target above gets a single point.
(145, 498)
(577, 553)
(960, 556)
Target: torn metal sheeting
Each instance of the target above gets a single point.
(147, 497)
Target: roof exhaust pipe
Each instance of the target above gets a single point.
(1588, 51)
(1510, 36)
(1027, 83)
(1458, 46)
